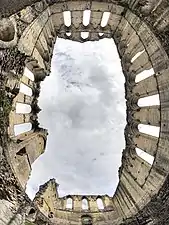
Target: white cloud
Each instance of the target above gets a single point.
(83, 108)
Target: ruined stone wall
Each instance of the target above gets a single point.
(54, 207)
(14, 203)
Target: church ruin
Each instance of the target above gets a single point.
(28, 31)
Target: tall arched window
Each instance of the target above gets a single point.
(100, 203)
(69, 203)
(22, 128)
(85, 204)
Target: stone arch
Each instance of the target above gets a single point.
(85, 203)
(69, 202)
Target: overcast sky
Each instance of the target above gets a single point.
(83, 108)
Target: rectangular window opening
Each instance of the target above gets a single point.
(145, 156)
(148, 129)
(67, 18)
(149, 101)
(105, 19)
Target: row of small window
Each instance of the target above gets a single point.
(143, 128)
(139, 77)
(86, 18)
(85, 204)
(146, 101)
(84, 35)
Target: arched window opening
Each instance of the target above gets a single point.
(143, 75)
(148, 129)
(21, 152)
(92, 86)
(22, 128)
(84, 35)
(105, 19)
(86, 17)
(22, 108)
(28, 74)
(68, 34)
(67, 18)
(85, 204)
(101, 34)
(25, 89)
(100, 203)
(145, 156)
(32, 211)
(149, 101)
(69, 203)
(136, 56)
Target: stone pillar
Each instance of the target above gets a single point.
(149, 115)
(77, 203)
(146, 87)
(146, 142)
(46, 198)
(93, 204)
